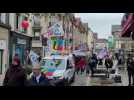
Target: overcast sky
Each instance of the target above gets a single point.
(101, 22)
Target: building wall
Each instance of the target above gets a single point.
(4, 34)
(12, 21)
(90, 39)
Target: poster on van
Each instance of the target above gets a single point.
(57, 45)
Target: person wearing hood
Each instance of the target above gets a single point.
(15, 75)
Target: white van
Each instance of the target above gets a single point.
(58, 68)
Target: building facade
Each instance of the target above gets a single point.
(127, 30)
(20, 35)
(4, 42)
(90, 40)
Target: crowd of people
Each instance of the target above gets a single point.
(16, 75)
(110, 62)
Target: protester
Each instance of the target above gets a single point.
(108, 64)
(38, 78)
(39, 59)
(82, 64)
(77, 67)
(15, 75)
(93, 64)
(130, 69)
(88, 67)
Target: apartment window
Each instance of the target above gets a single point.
(36, 33)
(132, 45)
(123, 45)
(7, 18)
(52, 14)
(2, 18)
(17, 21)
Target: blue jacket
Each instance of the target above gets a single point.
(43, 81)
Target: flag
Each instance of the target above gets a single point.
(33, 57)
(102, 53)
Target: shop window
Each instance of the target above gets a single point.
(17, 21)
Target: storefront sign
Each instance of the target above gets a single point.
(21, 41)
(2, 44)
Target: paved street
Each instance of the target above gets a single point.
(80, 80)
(100, 80)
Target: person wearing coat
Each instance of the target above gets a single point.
(93, 64)
(15, 75)
(108, 64)
(38, 78)
(82, 64)
(130, 69)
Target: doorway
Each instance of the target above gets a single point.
(20, 51)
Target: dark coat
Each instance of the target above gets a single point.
(93, 62)
(130, 65)
(15, 76)
(43, 81)
(108, 63)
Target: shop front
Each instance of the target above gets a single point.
(20, 43)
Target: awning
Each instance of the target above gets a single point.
(128, 26)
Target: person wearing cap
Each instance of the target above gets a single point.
(38, 78)
(15, 75)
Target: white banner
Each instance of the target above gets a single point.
(33, 57)
(57, 29)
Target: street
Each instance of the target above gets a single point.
(99, 80)
(53, 46)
